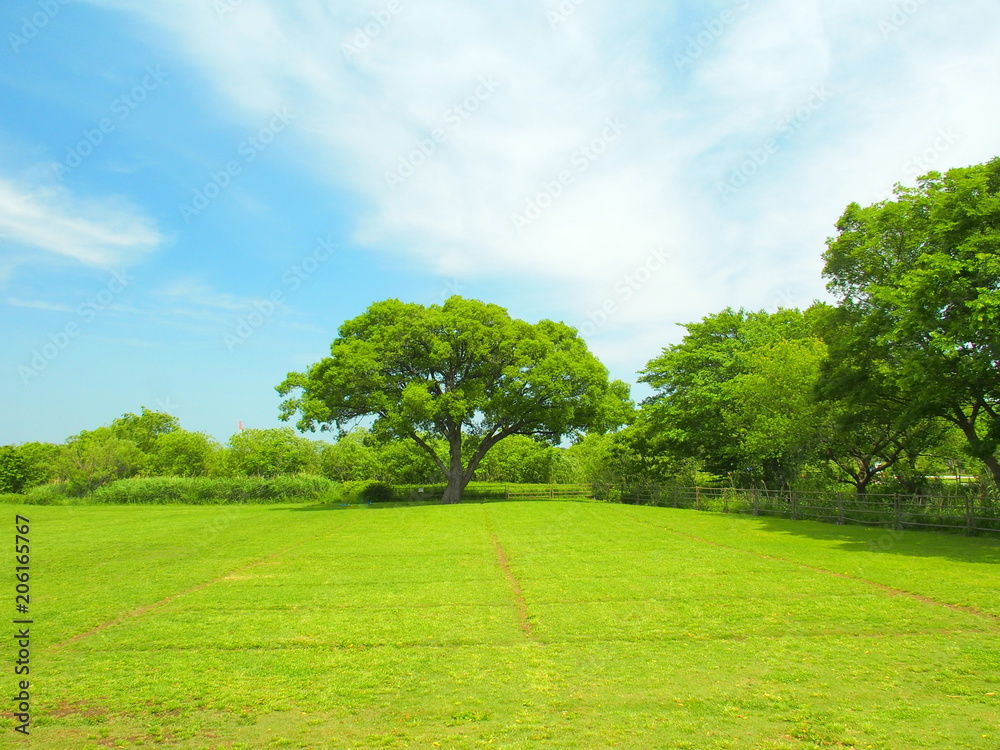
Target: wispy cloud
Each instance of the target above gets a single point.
(200, 295)
(535, 139)
(39, 305)
(104, 233)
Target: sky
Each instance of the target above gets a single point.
(196, 194)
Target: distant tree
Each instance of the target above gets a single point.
(351, 458)
(405, 462)
(921, 276)
(12, 469)
(144, 428)
(465, 372)
(180, 453)
(95, 457)
(551, 465)
(772, 406)
(270, 453)
(40, 460)
(510, 460)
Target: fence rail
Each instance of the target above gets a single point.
(964, 513)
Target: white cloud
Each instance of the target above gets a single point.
(655, 185)
(104, 233)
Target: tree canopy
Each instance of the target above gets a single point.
(463, 371)
(920, 276)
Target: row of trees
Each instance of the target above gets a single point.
(154, 444)
(900, 379)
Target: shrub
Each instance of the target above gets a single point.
(46, 494)
(12, 473)
(378, 492)
(368, 491)
(216, 491)
(40, 462)
(270, 453)
(94, 458)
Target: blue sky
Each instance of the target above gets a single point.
(195, 194)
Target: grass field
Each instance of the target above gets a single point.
(503, 625)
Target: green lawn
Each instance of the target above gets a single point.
(573, 625)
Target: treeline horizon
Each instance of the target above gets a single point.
(890, 387)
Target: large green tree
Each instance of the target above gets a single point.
(737, 394)
(464, 371)
(869, 426)
(921, 276)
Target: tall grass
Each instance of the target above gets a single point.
(215, 491)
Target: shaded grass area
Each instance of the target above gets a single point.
(256, 627)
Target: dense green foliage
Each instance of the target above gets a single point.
(216, 490)
(12, 469)
(464, 373)
(920, 278)
(880, 390)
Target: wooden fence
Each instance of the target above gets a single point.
(965, 512)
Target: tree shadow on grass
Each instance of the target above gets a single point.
(913, 542)
(433, 502)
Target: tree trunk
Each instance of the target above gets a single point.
(455, 474)
(994, 466)
(453, 491)
(968, 426)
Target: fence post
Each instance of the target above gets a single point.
(551, 492)
(756, 501)
(898, 512)
(795, 506)
(840, 508)
(677, 491)
(725, 501)
(697, 498)
(970, 517)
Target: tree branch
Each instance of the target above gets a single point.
(433, 454)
